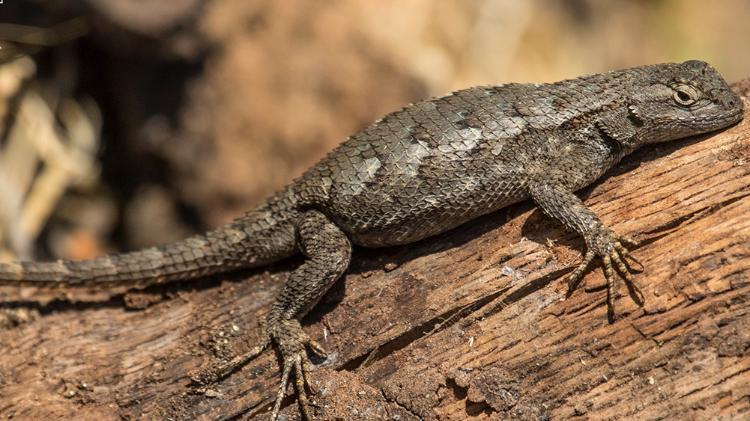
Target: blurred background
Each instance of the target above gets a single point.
(126, 124)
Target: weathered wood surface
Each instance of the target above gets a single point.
(470, 325)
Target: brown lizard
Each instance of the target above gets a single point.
(425, 169)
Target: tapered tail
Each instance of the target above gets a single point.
(259, 238)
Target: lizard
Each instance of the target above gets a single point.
(423, 170)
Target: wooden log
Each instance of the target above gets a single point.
(471, 324)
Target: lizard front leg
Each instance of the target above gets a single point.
(328, 251)
(560, 203)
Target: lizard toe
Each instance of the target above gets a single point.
(616, 258)
(626, 272)
(226, 368)
(297, 365)
(292, 342)
(609, 275)
(575, 278)
(627, 257)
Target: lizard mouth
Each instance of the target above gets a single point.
(714, 123)
(735, 116)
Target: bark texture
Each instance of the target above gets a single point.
(471, 324)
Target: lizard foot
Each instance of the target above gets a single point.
(615, 258)
(291, 341)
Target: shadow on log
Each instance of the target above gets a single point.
(472, 324)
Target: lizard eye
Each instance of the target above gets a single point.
(685, 95)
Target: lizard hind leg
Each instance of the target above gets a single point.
(328, 251)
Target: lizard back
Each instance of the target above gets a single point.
(450, 151)
(438, 163)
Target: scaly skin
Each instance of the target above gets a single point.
(427, 168)
(258, 238)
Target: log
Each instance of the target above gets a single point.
(472, 324)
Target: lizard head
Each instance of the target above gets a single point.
(682, 99)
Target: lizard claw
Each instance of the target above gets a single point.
(300, 364)
(291, 341)
(223, 371)
(615, 259)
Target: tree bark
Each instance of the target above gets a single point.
(470, 324)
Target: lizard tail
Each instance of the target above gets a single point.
(259, 238)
